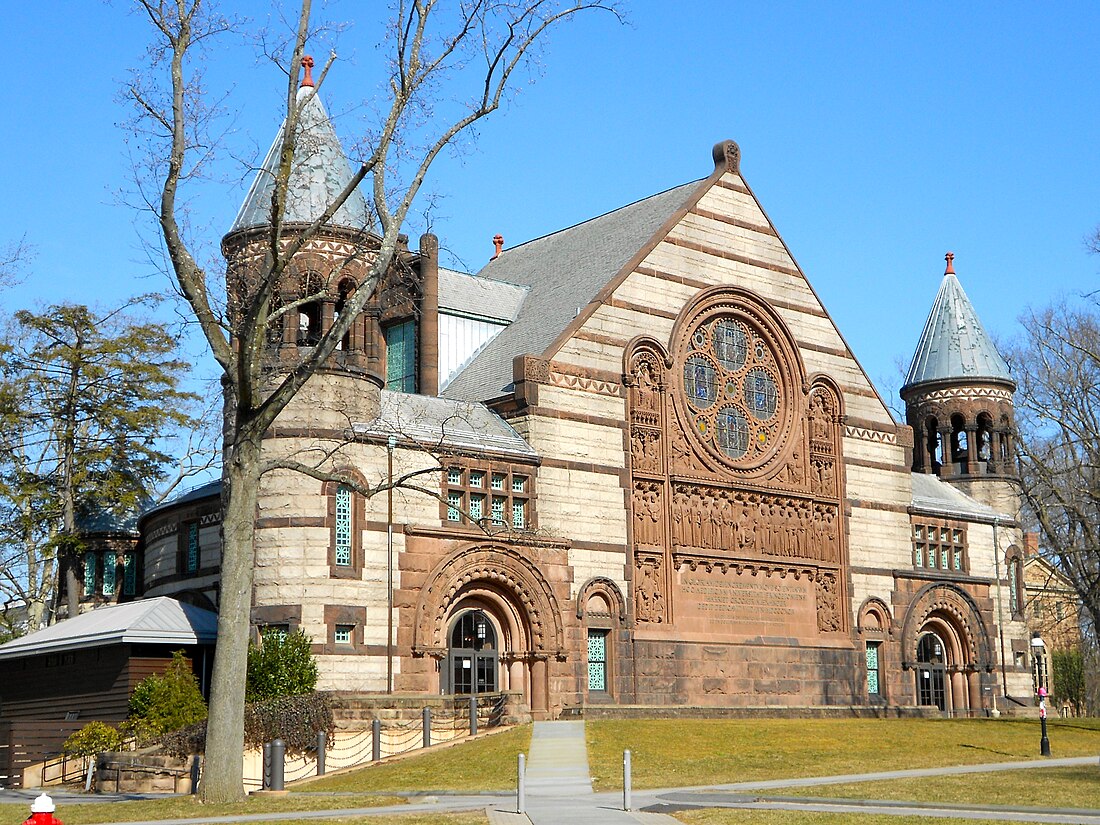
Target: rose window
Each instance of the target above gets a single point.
(733, 389)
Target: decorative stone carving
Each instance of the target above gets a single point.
(649, 590)
(649, 513)
(645, 449)
(828, 609)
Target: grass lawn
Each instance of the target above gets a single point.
(717, 751)
(487, 764)
(726, 816)
(1047, 788)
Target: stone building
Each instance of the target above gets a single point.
(655, 474)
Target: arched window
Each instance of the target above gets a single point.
(309, 311)
(958, 439)
(345, 514)
(931, 671)
(343, 294)
(932, 444)
(985, 437)
(1015, 586)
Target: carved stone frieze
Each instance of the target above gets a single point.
(739, 521)
(828, 603)
(649, 512)
(645, 449)
(583, 383)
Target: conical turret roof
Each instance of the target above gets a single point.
(319, 174)
(954, 345)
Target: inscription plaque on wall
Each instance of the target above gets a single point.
(738, 603)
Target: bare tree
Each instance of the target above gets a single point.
(1057, 367)
(438, 53)
(13, 257)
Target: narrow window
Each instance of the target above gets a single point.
(110, 573)
(454, 505)
(873, 685)
(191, 559)
(1013, 588)
(454, 475)
(597, 660)
(342, 634)
(498, 511)
(343, 526)
(519, 484)
(497, 482)
(519, 514)
(401, 357)
(477, 508)
(89, 573)
(129, 574)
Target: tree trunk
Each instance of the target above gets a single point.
(225, 726)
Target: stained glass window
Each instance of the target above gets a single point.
(192, 560)
(454, 505)
(1013, 586)
(597, 660)
(89, 573)
(110, 573)
(129, 574)
(730, 344)
(700, 381)
(731, 432)
(343, 526)
(760, 394)
(873, 668)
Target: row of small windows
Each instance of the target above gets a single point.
(939, 547)
(500, 496)
(105, 581)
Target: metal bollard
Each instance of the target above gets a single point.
(427, 727)
(521, 786)
(265, 774)
(278, 755)
(322, 744)
(376, 740)
(473, 716)
(626, 781)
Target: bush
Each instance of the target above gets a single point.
(167, 702)
(281, 664)
(294, 719)
(93, 738)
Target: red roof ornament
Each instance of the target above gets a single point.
(498, 244)
(307, 64)
(950, 258)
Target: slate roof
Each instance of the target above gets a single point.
(211, 488)
(563, 273)
(477, 297)
(320, 172)
(460, 425)
(934, 496)
(148, 621)
(954, 344)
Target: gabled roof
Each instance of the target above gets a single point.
(207, 490)
(954, 344)
(320, 173)
(930, 495)
(442, 422)
(564, 272)
(148, 621)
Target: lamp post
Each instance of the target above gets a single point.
(1038, 652)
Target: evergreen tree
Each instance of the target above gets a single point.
(86, 401)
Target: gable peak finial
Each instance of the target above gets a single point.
(950, 258)
(498, 245)
(307, 64)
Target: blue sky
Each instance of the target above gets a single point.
(877, 137)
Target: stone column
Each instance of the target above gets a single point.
(974, 681)
(959, 694)
(539, 686)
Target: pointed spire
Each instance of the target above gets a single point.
(320, 173)
(954, 345)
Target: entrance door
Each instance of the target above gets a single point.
(931, 672)
(472, 657)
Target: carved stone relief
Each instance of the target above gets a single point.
(649, 589)
(649, 513)
(828, 603)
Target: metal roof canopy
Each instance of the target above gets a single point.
(161, 620)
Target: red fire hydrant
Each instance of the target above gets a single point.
(42, 812)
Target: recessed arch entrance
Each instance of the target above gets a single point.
(489, 611)
(947, 647)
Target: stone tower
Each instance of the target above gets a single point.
(958, 400)
(319, 278)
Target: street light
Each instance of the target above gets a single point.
(1038, 652)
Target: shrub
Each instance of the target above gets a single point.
(1069, 679)
(93, 738)
(281, 664)
(167, 702)
(294, 719)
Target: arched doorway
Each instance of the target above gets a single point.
(473, 654)
(931, 671)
